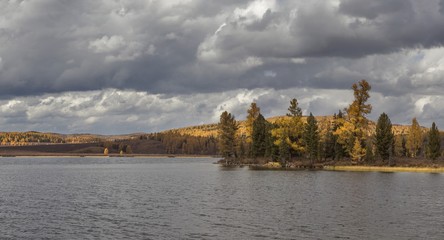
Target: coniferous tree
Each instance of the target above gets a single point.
(434, 143)
(290, 130)
(294, 110)
(271, 150)
(259, 137)
(227, 128)
(329, 145)
(400, 146)
(252, 114)
(324, 129)
(369, 156)
(284, 150)
(311, 138)
(384, 138)
(415, 139)
(242, 152)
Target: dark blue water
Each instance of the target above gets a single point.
(136, 198)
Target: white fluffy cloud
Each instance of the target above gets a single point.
(113, 111)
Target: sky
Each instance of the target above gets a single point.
(124, 66)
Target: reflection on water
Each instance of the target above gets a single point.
(135, 198)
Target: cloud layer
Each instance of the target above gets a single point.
(62, 61)
(112, 111)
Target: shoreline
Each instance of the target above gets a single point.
(68, 155)
(342, 168)
(383, 169)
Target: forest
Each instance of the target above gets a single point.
(36, 138)
(347, 136)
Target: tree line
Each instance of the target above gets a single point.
(173, 142)
(346, 135)
(35, 138)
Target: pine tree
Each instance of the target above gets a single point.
(227, 128)
(384, 137)
(259, 141)
(400, 146)
(329, 145)
(294, 128)
(311, 138)
(434, 143)
(294, 110)
(271, 150)
(369, 156)
(415, 139)
(241, 151)
(325, 134)
(284, 149)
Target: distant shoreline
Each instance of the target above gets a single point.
(69, 155)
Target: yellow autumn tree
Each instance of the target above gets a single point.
(290, 129)
(354, 127)
(252, 113)
(414, 139)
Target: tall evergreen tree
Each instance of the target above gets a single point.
(434, 143)
(294, 110)
(415, 139)
(384, 138)
(241, 148)
(329, 145)
(227, 128)
(259, 137)
(284, 149)
(290, 130)
(369, 156)
(271, 150)
(295, 128)
(400, 146)
(311, 138)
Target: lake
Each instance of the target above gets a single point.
(175, 198)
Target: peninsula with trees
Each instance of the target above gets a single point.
(339, 141)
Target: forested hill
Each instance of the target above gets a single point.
(194, 140)
(210, 130)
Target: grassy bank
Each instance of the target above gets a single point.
(384, 169)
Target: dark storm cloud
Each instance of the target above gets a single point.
(200, 46)
(373, 9)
